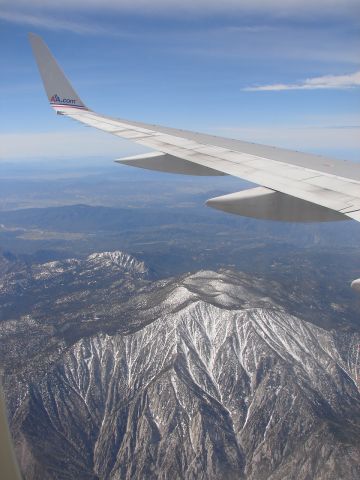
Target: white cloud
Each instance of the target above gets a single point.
(325, 82)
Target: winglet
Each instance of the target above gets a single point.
(60, 92)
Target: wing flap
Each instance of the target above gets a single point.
(163, 162)
(264, 203)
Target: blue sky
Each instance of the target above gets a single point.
(273, 71)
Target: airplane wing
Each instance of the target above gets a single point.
(293, 186)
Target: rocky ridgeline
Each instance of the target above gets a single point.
(199, 377)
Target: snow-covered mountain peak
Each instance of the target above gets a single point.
(224, 289)
(200, 379)
(118, 260)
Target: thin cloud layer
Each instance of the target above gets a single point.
(69, 144)
(81, 144)
(275, 7)
(325, 82)
(51, 23)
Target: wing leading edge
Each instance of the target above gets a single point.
(295, 186)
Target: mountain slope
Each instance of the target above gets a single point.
(200, 377)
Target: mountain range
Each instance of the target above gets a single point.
(112, 374)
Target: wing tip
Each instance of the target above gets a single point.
(59, 90)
